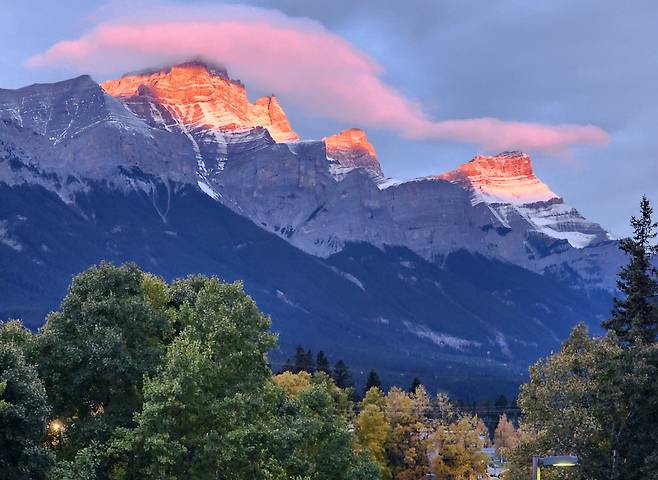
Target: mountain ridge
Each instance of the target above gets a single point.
(414, 266)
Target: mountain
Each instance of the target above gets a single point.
(507, 184)
(195, 96)
(461, 278)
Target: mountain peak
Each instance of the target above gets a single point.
(200, 95)
(504, 178)
(351, 149)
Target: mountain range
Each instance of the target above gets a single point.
(460, 278)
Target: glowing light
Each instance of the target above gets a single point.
(56, 426)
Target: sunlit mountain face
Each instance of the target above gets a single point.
(196, 95)
(178, 170)
(504, 178)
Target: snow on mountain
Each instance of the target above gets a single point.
(196, 95)
(507, 184)
(62, 110)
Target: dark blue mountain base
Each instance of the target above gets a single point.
(465, 324)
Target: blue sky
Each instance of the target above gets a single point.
(558, 62)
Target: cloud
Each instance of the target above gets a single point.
(298, 59)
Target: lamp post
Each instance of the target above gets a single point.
(554, 461)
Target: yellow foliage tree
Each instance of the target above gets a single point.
(411, 428)
(506, 436)
(293, 383)
(373, 433)
(456, 450)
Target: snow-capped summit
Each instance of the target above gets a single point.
(508, 185)
(504, 178)
(351, 149)
(197, 95)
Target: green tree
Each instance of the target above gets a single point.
(372, 381)
(501, 402)
(635, 316)
(342, 375)
(24, 411)
(415, 383)
(13, 331)
(322, 363)
(287, 366)
(204, 408)
(573, 405)
(95, 351)
(301, 360)
(311, 437)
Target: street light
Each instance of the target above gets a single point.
(554, 461)
(57, 427)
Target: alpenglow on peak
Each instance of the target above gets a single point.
(504, 178)
(197, 95)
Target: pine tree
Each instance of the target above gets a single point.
(635, 316)
(287, 367)
(300, 359)
(342, 375)
(415, 383)
(309, 362)
(501, 402)
(322, 363)
(372, 381)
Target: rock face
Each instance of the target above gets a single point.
(194, 95)
(351, 149)
(508, 185)
(504, 178)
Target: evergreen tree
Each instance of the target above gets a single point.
(287, 367)
(300, 359)
(304, 361)
(322, 363)
(501, 402)
(415, 383)
(635, 316)
(342, 375)
(309, 362)
(372, 381)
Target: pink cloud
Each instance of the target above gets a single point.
(299, 60)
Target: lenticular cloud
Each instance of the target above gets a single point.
(299, 60)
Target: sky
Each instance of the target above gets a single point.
(434, 82)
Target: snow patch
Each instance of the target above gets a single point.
(441, 339)
(349, 277)
(6, 239)
(208, 190)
